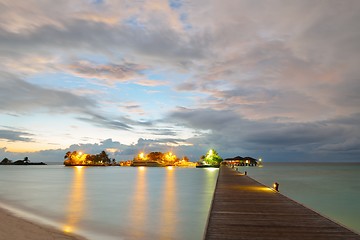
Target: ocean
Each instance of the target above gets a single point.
(163, 203)
(112, 202)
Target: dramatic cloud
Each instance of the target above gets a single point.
(106, 122)
(12, 136)
(114, 72)
(232, 134)
(20, 96)
(271, 78)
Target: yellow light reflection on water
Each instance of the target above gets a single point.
(211, 169)
(76, 200)
(169, 205)
(140, 204)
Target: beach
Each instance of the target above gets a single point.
(16, 228)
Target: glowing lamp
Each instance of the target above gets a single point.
(67, 229)
(211, 152)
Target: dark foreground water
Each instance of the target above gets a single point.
(332, 189)
(112, 202)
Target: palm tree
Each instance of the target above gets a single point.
(67, 155)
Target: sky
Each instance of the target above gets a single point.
(273, 79)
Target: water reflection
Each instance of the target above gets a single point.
(75, 204)
(140, 203)
(169, 205)
(208, 186)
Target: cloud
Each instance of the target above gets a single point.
(13, 136)
(163, 132)
(281, 64)
(252, 75)
(349, 146)
(132, 107)
(294, 135)
(22, 97)
(106, 122)
(151, 43)
(204, 118)
(232, 135)
(109, 72)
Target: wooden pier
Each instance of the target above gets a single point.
(242, 208)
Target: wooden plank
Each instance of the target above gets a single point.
(242, 208)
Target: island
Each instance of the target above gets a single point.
(159, 159)
(156, 159)
(76, 158)
(26, 161)
(152, 159)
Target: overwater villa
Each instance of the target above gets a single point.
(242, 161)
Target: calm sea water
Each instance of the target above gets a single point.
(332, 189)
(163, 203)
(112, 202)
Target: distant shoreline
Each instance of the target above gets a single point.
(23, 164)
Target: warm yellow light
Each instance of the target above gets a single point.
(211, 169)
(211, 152)
(170, 167)
(79, 167)
(142, 168)
(141, 155)
(67, 229)
(260, 159)
(254, 188)
(80, 153)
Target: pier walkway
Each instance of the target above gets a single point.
(242, 208)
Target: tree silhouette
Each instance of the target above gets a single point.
(5, 161)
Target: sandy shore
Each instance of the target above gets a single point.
(15, 228)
